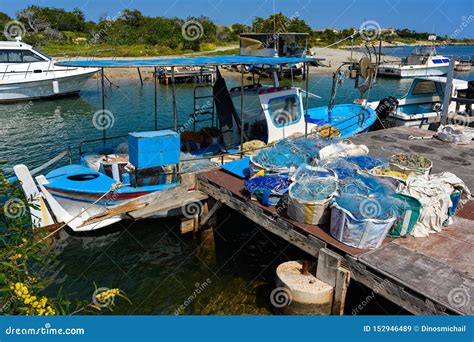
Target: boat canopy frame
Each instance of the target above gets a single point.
(200, 61)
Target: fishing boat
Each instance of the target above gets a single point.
(422, 61)
(26, 73)
(144, 174)
(278, 44)
(462, 66)
(421, 106)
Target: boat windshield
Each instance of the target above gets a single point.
(423, 51)
(42, 54)
(19, 56)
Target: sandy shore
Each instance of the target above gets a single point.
(333, 58)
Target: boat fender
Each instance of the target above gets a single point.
(55, 87)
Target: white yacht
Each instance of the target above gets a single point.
(422, 61)
(26, 73)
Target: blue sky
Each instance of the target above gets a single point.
(439, 16)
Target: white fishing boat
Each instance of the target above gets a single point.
(26, 73)
(462, 66)
(420, 107)
(422, 61)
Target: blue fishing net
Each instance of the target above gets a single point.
(191, 163)
(367, 162)
(290, 152)
(368, 197)
(341, 167)
(377, 207)
(366, 185)
(281, 155)
(306, 171)
(314, 189)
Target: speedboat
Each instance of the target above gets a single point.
(422, 61)
(26, 73)
(145, 175)
(421, 106)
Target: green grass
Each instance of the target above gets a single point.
(235, 51)
(108, 50)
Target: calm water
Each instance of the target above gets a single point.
(159, 269)
(464, 51)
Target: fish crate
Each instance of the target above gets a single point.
(153, 149)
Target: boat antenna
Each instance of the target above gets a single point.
(275, 38)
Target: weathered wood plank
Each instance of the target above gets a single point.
(160, 205)
(136, 204)
(343, 278)
(427, 276)
(328, 263)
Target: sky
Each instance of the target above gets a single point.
(443, 17)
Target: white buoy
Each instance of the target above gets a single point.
(300, 293)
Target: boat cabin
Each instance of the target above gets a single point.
(15, 52)
(422, 105)
(283, 44)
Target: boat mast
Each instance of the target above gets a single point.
(155, 101)
(175, 113)
(102, 81)
(241, 107)
(306, 65)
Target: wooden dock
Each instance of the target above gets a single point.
(431, 275)
(186, 74)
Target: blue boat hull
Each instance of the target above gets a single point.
(349, 119)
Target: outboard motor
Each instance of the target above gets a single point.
(386, 106)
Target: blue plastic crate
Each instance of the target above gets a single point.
(152, 149)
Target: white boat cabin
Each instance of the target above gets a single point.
(422, 105)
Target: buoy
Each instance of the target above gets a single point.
(299, 292)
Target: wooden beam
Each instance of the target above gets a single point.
(328, 263)
(159, 205)
(136, 204)
(211, 212)
(343, 277)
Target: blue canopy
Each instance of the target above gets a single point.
(185, 61)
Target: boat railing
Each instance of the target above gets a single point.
(29, 72)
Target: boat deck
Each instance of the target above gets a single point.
(431, 275)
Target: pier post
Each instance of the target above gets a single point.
(448, 90)
(320, 292)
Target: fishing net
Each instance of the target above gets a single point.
(341, 167)
(368, 197)
(366, 185)
(191, 163)
(289, 152)
(306, 171)
(367, 162)
(374, 207)
(314, 189)
(411, 160)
